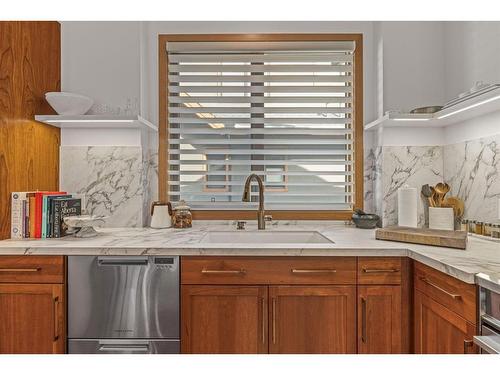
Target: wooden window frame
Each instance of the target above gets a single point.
(163, 39)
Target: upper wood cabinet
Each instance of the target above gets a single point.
(379, 319)
(224, 319)
(30, 66)
(32, 319)
(315, 319)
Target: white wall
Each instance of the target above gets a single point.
(472, 53)
(102, 60)
(413, 64)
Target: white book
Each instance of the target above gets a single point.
(16, 216)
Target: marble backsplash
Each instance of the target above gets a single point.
(396, 167)
(121, 181)
(472, 169)
(111, 178)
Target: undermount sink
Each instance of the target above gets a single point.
(263, 237)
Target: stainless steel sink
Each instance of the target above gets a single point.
(265, 237)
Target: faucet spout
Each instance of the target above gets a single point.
(261, 224)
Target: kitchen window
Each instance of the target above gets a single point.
(285, 107)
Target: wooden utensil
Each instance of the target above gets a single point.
(427, 194)
(457, 204)
(434, 197)
(441, 190)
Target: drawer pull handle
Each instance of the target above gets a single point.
(295, 270)
(452, 295)
(56, 319)
(15, 270)
(274, 320)
(387, 270)
(363, 320)
(263, 321)
(224, 272)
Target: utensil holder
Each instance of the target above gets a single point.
(441, 218)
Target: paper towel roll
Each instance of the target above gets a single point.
(407, 207)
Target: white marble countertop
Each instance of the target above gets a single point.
(480, 263)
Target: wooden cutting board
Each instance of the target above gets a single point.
(424, 236)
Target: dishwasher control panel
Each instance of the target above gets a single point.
(166, 263)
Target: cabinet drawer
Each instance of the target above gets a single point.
(452, 293)
(31, 269)
(268, 270)
(379, 270)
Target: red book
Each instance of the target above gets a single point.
(38, 209)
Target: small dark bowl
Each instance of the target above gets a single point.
(368, 221)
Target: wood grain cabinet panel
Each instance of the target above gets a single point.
(32, 319)
(455, 294)
(312, 319)
(268, 270)
(379, 270)
(438, 330)
(379, 319)
(31, 269)
(224, 319)
(30, 66)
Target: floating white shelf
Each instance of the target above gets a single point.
(474, 107)
(96, 121)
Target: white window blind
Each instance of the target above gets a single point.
(285, 115)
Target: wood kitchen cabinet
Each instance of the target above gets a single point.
(224, 319)
(32, 318)
(445, 313)
(379, 319)
(312, 319)
(439, 330)
(383, 300)
(32, 305)
(268, 304)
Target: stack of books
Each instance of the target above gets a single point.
(40, 214)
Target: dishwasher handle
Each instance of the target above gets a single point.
(143, 348)
(122, 261)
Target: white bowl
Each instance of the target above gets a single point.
(66, 103)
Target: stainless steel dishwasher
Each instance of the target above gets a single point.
(123, 304)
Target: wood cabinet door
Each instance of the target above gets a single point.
(379, 319)
(32, 318)
(312, 319)
(224, 319)
(439, 330)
